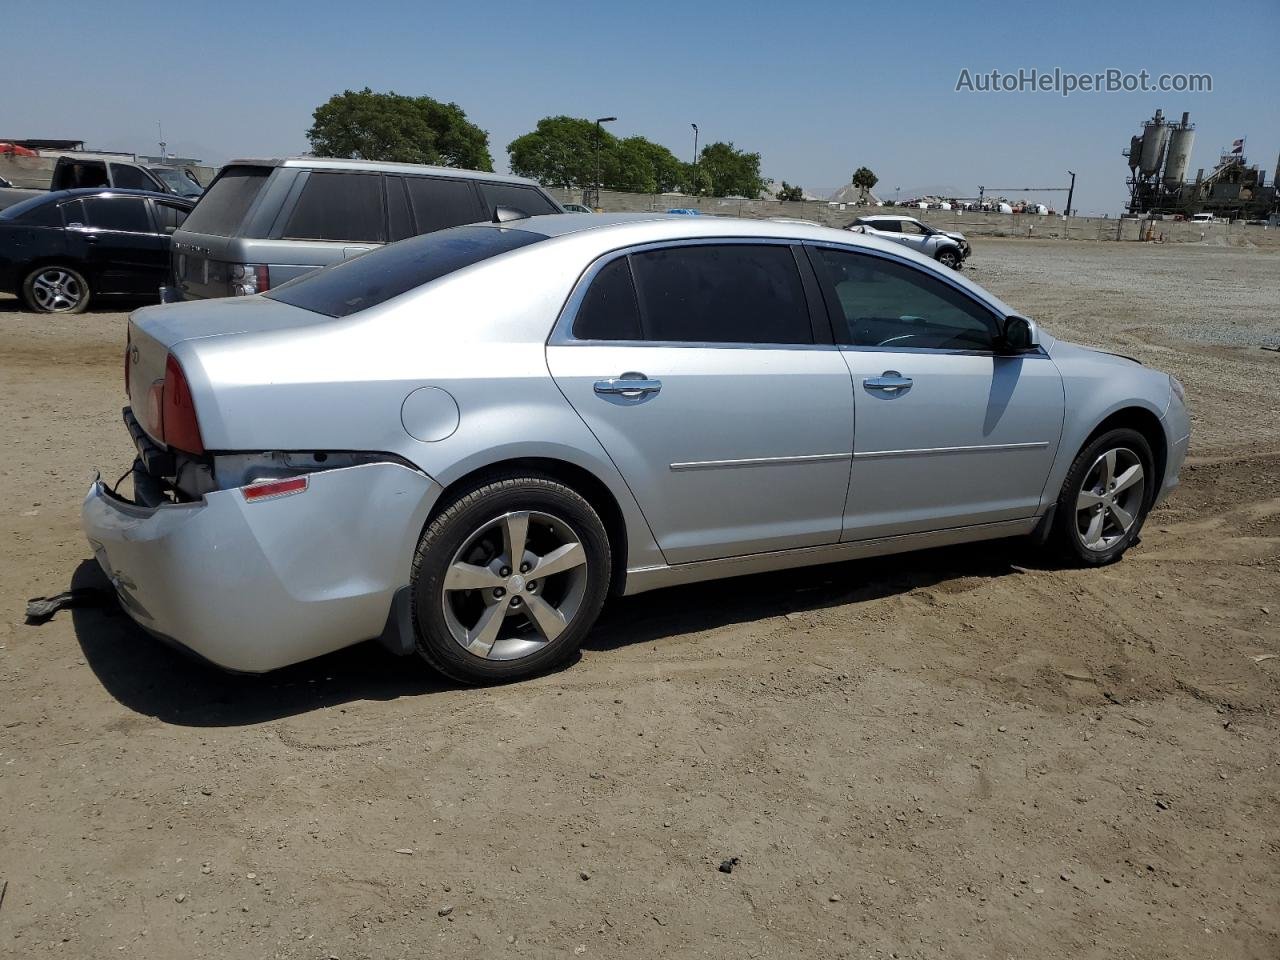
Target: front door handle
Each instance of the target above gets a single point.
(630, 385)
(890, 382)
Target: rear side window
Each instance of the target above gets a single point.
(722, 293)
(438, 204)
(375, 277)
(223, 206)
(126, 214)
(339, 206)
(525, 199)
(128, 177)
(609, 311)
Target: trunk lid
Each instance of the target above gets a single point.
(155, 331)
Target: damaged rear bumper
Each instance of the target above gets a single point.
(252, 586)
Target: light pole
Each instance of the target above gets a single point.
(599, 120)
(695, 143)
(1071, 192)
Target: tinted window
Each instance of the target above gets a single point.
(525, 199)
(128, 214)
(38, 212)
(891, 304)
(730, 293)
(885, 226)
(169, 215)
(339, 206)
(73, 213)
(128, 177)
(372, 278)
(399, 220)
(438, 204)
(609, 310)
(223, 207)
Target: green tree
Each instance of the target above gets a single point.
(788, 192)
(561, 151)
(728, 171)
(864, 179)
(363, 125)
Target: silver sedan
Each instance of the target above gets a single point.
(463, 443)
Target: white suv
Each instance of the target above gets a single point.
(949, 249)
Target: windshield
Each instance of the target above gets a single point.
(375, 277)
(179, 181)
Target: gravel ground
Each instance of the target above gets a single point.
(960, 753)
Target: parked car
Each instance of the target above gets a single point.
(61, 250)
(464, 442)
(949, 249)
(71, 173)
(576, 208)
(264, 222)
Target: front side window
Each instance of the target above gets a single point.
(913, 228)
(128, 177)
(126, 214)
(517, 197)
(891, 304)
(439, 204)
(722, 293)
(338, 206)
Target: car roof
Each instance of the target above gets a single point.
(379, 166)
(886, 216)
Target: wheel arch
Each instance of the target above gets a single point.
(1146, 423)
(579, 479)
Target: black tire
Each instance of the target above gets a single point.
(950, 257)
(458, 525)
(66, 279)
(1066, 538)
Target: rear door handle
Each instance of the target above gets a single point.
(891, 382)
(628, 385)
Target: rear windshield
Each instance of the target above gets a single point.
(222, 208)
(372, 278)
(16, 211)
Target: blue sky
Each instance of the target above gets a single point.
(817, 89)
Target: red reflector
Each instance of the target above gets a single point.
(274, 488)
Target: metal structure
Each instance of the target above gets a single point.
(1159, 161)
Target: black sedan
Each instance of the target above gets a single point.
(60, 250)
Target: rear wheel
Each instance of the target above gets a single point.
(55, 289)
(1105, 498)
(508, 580)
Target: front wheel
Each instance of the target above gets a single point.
(950, 258)
(55, 289)
(508, 580)
(1105, 498)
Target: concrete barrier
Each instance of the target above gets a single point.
(967, 222)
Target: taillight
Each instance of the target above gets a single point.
(248, 278)
(178, 425)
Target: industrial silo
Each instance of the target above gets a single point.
(1135, 151)
(1155, 137)
(1182, 138)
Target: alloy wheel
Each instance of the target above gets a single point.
(56, 290)
(1110, 499)
(514, 585)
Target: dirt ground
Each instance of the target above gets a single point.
(961, 753)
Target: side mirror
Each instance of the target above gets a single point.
(1019, 335)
